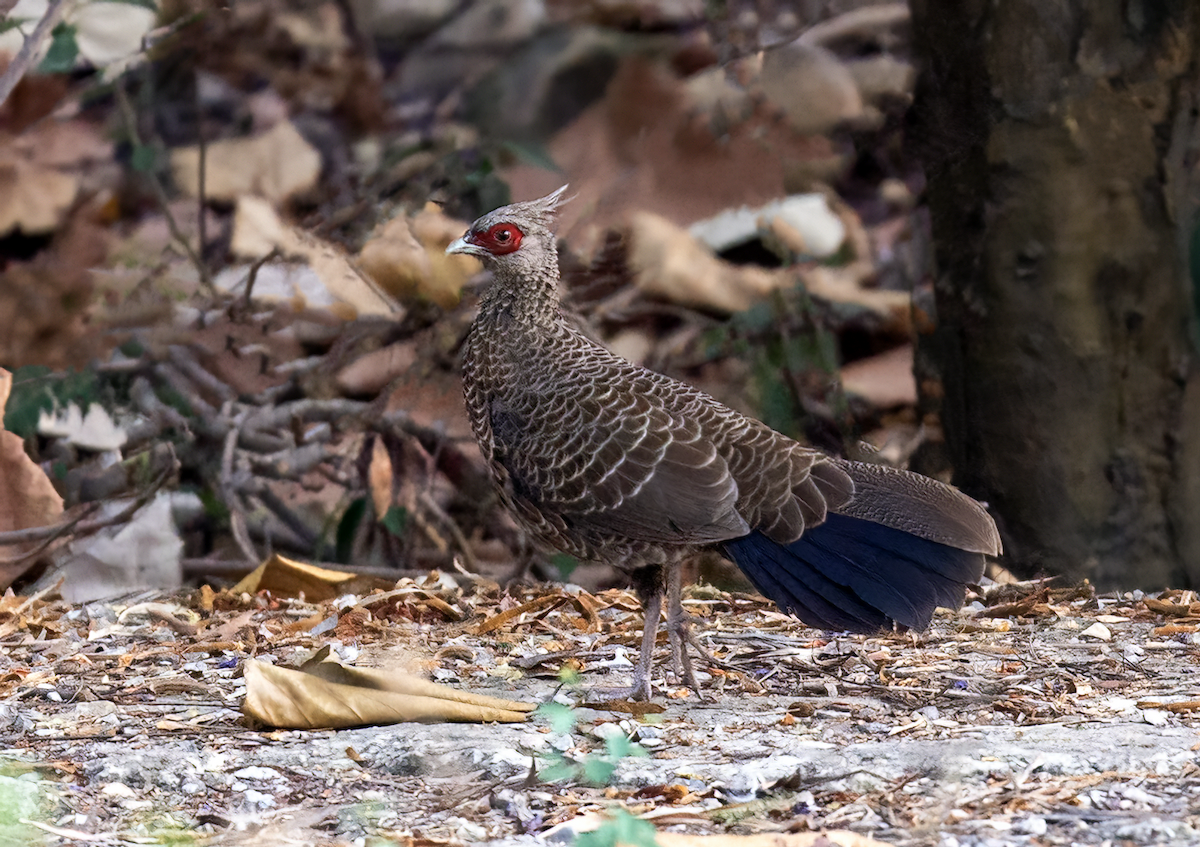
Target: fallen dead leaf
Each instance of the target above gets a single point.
(27, 498)
(1098, 631)
(277, 165)
(811, 86)
(381, 477)
(289, 578)
(46, 303)
(537, 604)
(668, 262)
(407, 257)
(845, 285)
(885, 380)
(326, 694)
(38, 173)
(258, 229)
(370, 373)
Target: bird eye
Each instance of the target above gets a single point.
(501, 239)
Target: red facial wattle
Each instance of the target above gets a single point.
(499, 240)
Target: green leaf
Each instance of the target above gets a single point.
(565, 564)
(620, 747)
(37, 389)
(621, 828)
(144, 159)
(396, 521)
(348, 526)
(214, 507)
(13, 23)
(559, 771)
(561, 718)
(598, 771)
(63, 51)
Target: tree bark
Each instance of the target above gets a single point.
(1060, 138)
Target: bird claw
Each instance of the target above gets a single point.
(679, 631)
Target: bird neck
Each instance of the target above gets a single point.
(522, 298)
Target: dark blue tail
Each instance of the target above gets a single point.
(852, 574)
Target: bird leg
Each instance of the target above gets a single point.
(652, 606)
(679, 629)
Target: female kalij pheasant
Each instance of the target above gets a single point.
(608, 461)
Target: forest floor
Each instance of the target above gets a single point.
(1033, 716)
(233, 331)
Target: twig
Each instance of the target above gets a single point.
(49, 534)
(456, 533)
(289, 518)
(40, 595)
(25, 57)
(202, 169)
(231, 568)
(160, 193)
(254, 269)
(308, 410)
(237, 520)
(183, 358)
(40, 533)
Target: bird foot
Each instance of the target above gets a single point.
(679, 631)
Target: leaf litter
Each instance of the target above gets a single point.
(981, 727)
(326, 424)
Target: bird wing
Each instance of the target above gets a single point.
(615, 461)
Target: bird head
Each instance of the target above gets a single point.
(517, 237)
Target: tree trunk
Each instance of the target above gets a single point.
(1059, 138)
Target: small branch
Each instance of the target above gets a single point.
(456, 533)
(41, 533)
(237, 521)
(202, 172)
(254, 269)
(40, 595)
(26, 56)
(47, 535)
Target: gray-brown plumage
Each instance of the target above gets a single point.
(609, 461)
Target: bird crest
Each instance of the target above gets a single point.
(543, 210)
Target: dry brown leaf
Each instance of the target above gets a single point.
(277, 165)
(33, 198)
(649, 145)
(371, 372)
(1166, 607)
(407, 257)
(37, 187)
(258, 229)
(27, 498)
(288, 578)
(668, 262)
(326, 694)
(380, 477)
(844, 285)
(46, 303)
(535, 605)
(811, 86)
(885, 380)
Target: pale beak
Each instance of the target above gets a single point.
(462, 245)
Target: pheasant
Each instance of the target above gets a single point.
(611, 462)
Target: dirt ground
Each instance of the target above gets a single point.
(1033, 716)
